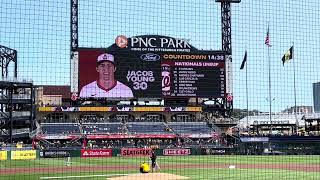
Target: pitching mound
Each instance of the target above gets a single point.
(148, 176)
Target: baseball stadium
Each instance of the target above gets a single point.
(161, 90)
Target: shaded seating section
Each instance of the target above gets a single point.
(60, 128)
(131, 127)
(102, 128)
(59, 144)
(105, 135)
(147, 128)
(190, 127)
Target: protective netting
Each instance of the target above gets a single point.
(269, 129)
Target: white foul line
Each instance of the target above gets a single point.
(67, 177)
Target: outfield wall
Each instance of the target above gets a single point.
(105, 153)
(243, 149)
(284, 145)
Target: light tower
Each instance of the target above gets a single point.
(226, 46)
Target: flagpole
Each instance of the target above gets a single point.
(294, 89)
(270, 102)
(247, 95)
(269, 64)
(267, 42)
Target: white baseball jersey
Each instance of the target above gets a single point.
(118, 91)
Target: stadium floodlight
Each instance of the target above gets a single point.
(229, 1)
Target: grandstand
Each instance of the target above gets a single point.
(148, 128)
(131, 134)
(190, 128)
(276, 119)
(60, 128)
(101, 128)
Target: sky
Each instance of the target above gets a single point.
(40, 31)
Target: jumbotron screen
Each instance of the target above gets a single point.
(150, 67)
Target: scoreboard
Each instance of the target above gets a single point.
(153, 66)
(189, 78)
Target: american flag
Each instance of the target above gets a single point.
(267, 41)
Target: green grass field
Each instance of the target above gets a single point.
(194, 167)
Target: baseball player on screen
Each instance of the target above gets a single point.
(106, 85)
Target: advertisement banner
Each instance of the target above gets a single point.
(54, 154)
(148, 109)
(29, 154)
(134, 152)
(176, 152)
(128, 109)
(134, 136)
(3, 155)
(217, 151)
(46, 109)
(193, 109)
(86, 153)
(41, 136)
(213, 151)
(150, 66)
(254, 139)
(96, 109)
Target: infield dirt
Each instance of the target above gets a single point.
(148, 176)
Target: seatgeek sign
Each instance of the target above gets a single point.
(135, 152)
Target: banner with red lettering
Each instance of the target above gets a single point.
(176, 152)
(96, 153)
(134, 152)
